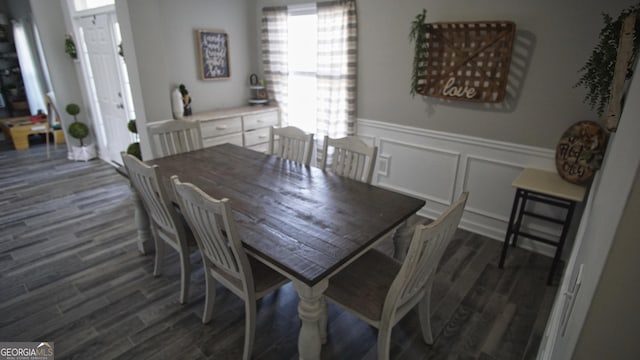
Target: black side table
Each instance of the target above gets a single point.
(548, 188)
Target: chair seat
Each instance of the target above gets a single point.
(265, 279)
(356, 289)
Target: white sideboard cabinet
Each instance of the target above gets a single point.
(246, 126)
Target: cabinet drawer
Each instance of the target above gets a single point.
(256, 121)
(255, 137)
(235, 139)
(211, 128)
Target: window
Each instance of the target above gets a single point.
(309, 58)
(82, 5)
(303, 50)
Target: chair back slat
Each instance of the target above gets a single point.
(352, 158)
(144, 179)
(171, 137)
(291, 143)
(425, 251)
(212, 224)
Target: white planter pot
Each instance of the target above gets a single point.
(84, 153)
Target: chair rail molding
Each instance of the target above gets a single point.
(437, 166)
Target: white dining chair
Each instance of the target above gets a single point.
(171, 137)
(381, 291)
(291, 143)
(352, 158)
(223, 255)
(166, 223)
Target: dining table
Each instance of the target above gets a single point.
(304, 222)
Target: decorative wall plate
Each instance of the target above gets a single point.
(580, 151)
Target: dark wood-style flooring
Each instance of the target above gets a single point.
(70, 273)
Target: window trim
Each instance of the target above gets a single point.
(302, 9)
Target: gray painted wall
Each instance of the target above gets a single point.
(152, 49)
(555, 38)
(164, 39)
(165, 42)
(610, 327)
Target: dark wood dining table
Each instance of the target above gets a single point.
(303, 222)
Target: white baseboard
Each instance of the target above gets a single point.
(437, 167)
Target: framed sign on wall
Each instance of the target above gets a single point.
(213, 54)
(467, 61)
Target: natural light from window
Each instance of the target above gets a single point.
(81, 5)
(302, 69)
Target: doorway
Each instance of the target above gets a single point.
(107, 85)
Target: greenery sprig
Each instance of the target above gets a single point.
(70, 47)
(597, 72)
(418, 35)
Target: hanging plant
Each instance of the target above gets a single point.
(418, 35)
(598, 71)
(70, 47)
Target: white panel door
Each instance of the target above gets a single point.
(106, 95)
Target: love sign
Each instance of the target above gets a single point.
(460, 91)
(467, 61)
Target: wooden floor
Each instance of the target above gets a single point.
(71, 274)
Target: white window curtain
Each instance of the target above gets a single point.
(336, 65)
(31, 77)
(336, 74)
(275, 57)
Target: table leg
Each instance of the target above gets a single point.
(145, 240)
(563, 237)
(507, 238)
(20, 140)
(524, 196)
(310, 311)
(46, 139)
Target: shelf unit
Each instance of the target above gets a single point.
(14, 98)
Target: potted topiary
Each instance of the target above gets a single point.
(134, 147)
(79, 130)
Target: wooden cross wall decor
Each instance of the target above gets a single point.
(625, 49)
(467, 61)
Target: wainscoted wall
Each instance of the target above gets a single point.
(438, 166)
